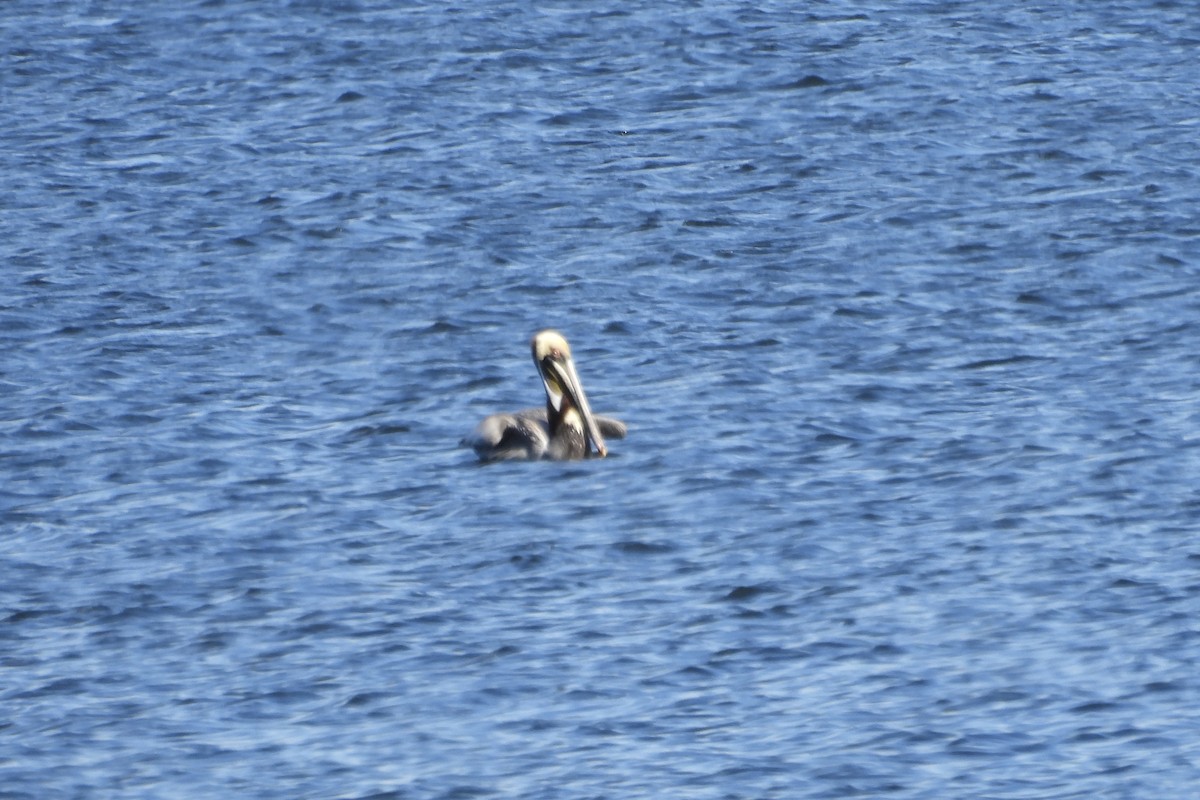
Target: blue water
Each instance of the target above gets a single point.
(901, 303)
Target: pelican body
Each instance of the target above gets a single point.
(566, 429)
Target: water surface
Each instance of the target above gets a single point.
(899, 302)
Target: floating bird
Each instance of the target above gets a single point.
(565, 429)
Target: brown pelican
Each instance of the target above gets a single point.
(565, 429)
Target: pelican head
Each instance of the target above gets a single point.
(566, 404)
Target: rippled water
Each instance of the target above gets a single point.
(901, 303)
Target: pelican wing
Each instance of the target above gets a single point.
(520, 434)
(611, 427)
